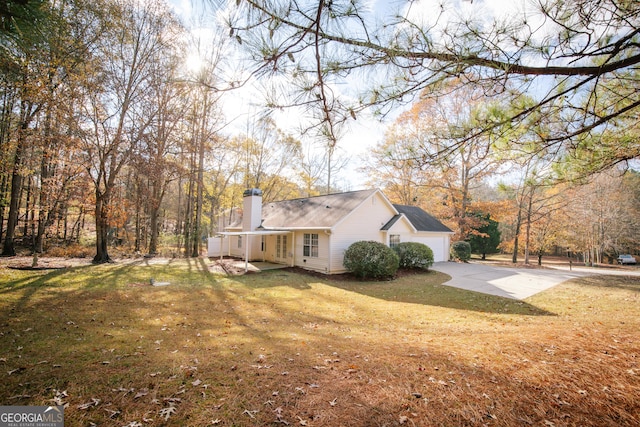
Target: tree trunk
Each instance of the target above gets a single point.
(42, 221)
(514, 257)
(102, 228)
(188, 211)
(528, 229)
(153, 230)
(3, 192)
(197, 226)
(140, 229)
(180, 217)
(212, 213)
(8, 248)
(28, 209)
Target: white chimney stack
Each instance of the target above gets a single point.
(251, 209)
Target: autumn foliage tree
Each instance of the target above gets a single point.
(444, 183)
(117, 114)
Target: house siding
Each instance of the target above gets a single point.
(400, 228)
(234, 249)
(217, 247)
(319, 263)
(364, 223)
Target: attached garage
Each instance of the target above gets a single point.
(429, 231)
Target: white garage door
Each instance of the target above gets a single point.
(439, 246)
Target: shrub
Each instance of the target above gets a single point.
(371, 259)
(414, 255)
(461, 251)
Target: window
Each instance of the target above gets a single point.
(394, 240)
(310, 245)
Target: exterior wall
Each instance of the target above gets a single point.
(233, 246)
(319, 263)
(216, 245)
(400, 228)
(438, 242)
(255, 249)
(364, 223)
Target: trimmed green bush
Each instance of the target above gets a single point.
(371, 259)
(414, 255)
(461, 251)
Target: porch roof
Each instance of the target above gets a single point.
(252, 233)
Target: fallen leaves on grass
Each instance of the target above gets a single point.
(167, 412)
(59, 398)
(251, 414)
(92, 403)
(428, 360)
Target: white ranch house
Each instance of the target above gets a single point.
(314, 232)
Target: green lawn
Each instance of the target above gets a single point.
(283, 348)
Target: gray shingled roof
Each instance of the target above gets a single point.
(392, 221)
(421, 220)
(311, 212)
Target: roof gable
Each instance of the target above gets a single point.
(312, 212)
(421, 220)
(397, 219)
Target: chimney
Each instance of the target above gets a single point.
(251, 209)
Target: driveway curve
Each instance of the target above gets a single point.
(508, 282)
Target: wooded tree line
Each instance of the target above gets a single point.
(104, 128)
(500, 200)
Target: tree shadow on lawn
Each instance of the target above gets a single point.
(268, 361)
(25, 284)
(135, 364)
(424, 288)
(627, 283)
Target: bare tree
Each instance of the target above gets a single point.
(604, 216)
(267, 154)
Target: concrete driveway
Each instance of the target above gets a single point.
(517, 283)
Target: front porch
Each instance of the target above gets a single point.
(252, 246)
(236, 266)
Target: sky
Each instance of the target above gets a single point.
(366, 132)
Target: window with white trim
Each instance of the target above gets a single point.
(310, 245)
(394, 240)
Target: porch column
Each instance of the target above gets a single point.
(246, 253)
